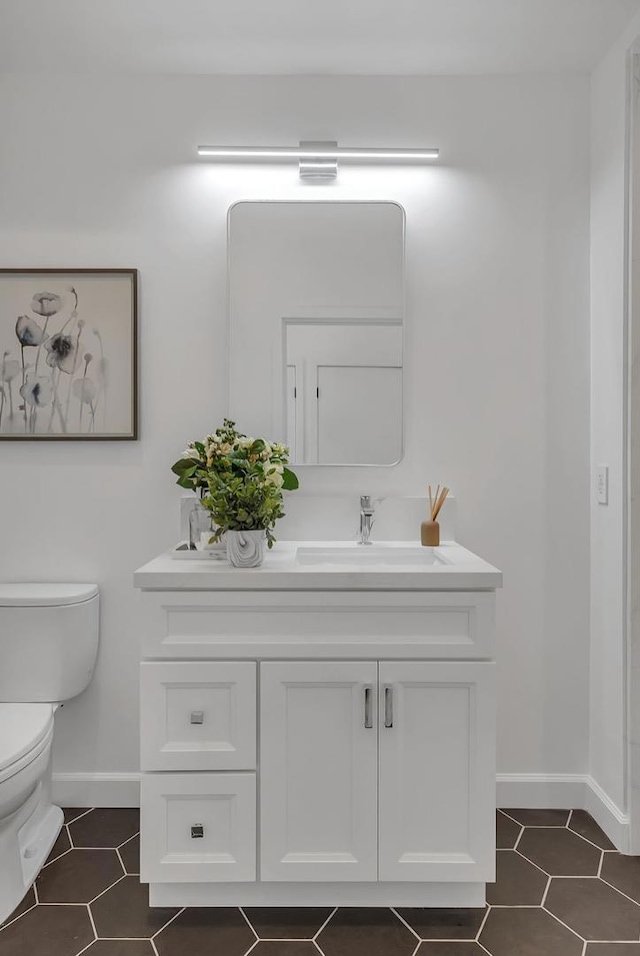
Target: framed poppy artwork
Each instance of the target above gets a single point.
(68, 354)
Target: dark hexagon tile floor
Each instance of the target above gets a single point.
(561, 890)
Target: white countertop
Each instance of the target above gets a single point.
(316, 565)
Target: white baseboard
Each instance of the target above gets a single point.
(96, 789)
(575, 791)
(608, 815)
(540, 791)
(531, 790)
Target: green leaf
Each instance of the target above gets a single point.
(290, 481)
(182, 465)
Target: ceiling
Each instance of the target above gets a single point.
(309, 36)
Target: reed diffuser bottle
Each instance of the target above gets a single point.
(430, 530)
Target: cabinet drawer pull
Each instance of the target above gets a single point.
(388, 706)
(368, 717)
(196, 717)
(197, 831)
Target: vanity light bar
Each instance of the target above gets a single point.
(337, 153)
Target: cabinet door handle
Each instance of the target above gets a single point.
(368, 717)
(388, 706)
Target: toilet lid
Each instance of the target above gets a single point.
(45, 595)
(22, 727)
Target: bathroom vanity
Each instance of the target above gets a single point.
(320, 730)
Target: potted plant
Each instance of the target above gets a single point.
(241, 481)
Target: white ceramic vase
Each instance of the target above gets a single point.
(245, 549)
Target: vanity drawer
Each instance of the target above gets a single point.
(331, 625)
(198, 715)
(198, 827)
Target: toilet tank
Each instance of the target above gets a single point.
(48, 641)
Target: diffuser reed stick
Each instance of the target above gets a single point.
(436, 503)
(430, 530)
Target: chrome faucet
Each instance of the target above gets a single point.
(366, 519)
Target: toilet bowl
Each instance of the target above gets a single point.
(48, 647)
(29, 823)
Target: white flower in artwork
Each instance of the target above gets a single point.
(62, 351)
(46, 303)
(29, 332)
(9, 368)
(84, 389)
(37, 392)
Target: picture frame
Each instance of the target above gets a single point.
(68, 354)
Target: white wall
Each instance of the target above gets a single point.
(101, 172)
(609, 213)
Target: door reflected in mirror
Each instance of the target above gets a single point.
(316, 308)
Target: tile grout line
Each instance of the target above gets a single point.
(93, 925)
(328, 919)
(535, 826)
(522, 856)
(546, 891)
(56, 858)
(128, 840)
(168, 923)
(484, 920)
(85, 948)
(80, 815)
(16, 918)
(124, 869)
(249, 923)
(587, 840)
(403, 920)
(566, 926)
(106, 890)
(612, 887)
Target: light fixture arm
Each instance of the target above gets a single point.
(318, 168)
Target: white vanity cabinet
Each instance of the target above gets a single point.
(305, 746)
(376, 771)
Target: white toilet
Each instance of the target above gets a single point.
(48, 647)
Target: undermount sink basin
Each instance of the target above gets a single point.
(375, 554)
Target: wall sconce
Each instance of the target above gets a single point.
(317, 161)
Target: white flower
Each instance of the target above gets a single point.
(28, 331)
(190, 452)
(273, 475)
(85, 390)
(46, 303)
(37, 392)
(9, 368)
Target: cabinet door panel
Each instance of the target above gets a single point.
(437, 771)
(318, 771)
